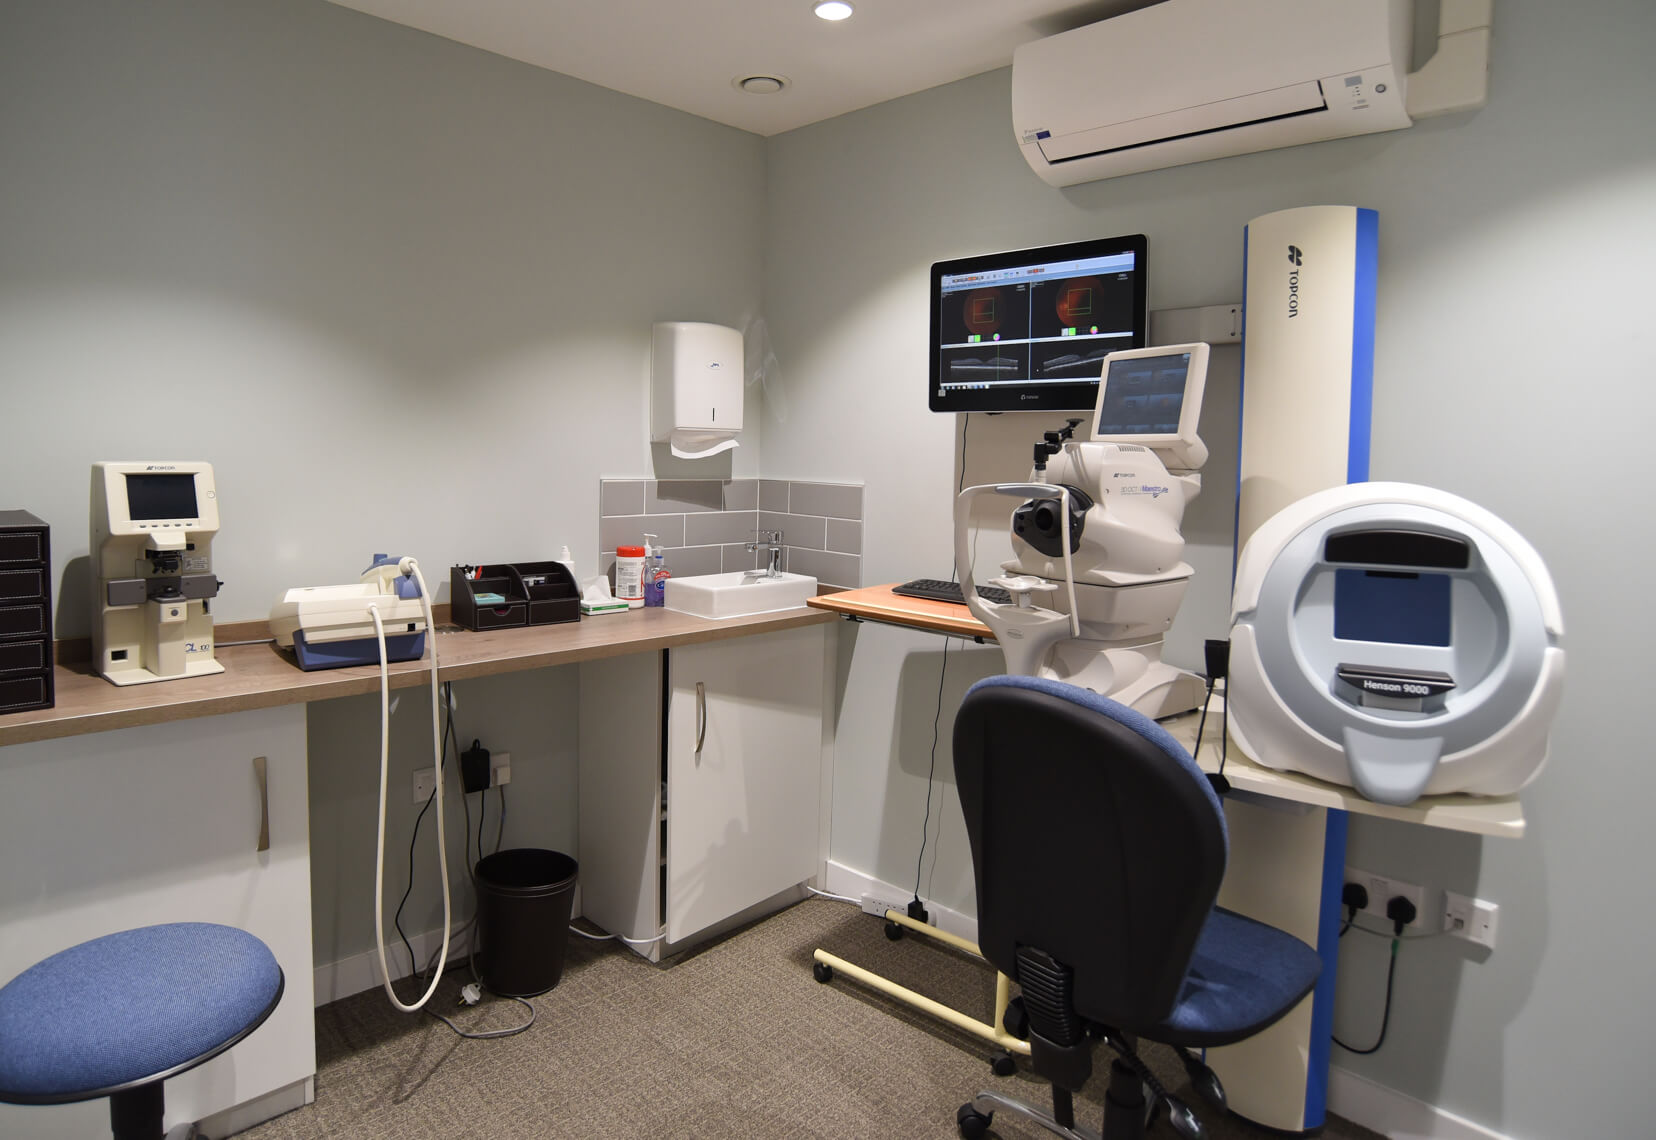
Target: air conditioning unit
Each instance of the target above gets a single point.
(1188, 80)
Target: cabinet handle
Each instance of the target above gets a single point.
(701, 715)
(263, 778)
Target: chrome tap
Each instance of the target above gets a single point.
(770, 540)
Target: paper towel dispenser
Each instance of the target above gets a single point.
(696, 387)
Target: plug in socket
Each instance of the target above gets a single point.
(474, 769)
(500, 769)
(1381, 889)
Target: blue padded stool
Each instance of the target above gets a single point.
(116, 1016)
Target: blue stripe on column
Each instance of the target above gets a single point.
(1328, 949)
(1362, 346)
(1241, 392)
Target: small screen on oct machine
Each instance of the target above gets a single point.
(1143, 396)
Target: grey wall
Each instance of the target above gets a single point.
(398, 291)
(1515, 253)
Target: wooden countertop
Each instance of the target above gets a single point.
(878, 603)
(262, 676)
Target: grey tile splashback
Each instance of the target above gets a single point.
(629, 530)
(773, 495)
(797, 530)
(705, 524)
(680, 496)
(621, 497)
(717, 529)
(844, 536)
(834, 500)
(825, 565)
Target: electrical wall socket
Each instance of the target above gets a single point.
(873, 904)
(1380, 889)
(425, 782)
(500, 769)
(1472, 919)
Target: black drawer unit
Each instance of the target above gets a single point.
(25, 612)
(530, 593)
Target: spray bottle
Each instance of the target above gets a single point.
(655, 572)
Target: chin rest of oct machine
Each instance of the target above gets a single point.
(1398, 639)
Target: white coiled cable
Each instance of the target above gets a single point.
(409, 566)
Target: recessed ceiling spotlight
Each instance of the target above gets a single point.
(759, 84)
(833, 9)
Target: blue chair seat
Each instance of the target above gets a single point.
(131, 1008)
(1242, 975)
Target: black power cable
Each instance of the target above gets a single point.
(916, 910)
(1401, 912)
(448, 732)
(1385, 1017)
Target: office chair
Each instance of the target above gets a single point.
(1097, 849)
(117, 1016)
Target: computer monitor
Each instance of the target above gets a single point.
(1027, 331)
(1153, 397)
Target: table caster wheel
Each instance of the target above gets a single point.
(822, 971)
(1016, 1019)
(893, 930)
(1002, 1064)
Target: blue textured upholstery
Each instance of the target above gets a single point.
(1241, 978)
(1242, 974)
(130, 1006)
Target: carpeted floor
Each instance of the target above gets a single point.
(732, 1040)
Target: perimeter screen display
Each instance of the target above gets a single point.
(1393, 607)
(152, 497)
(1143, 396)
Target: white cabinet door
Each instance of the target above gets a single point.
(742, 808)
(162, 824)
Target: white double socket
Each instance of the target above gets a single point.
(1382, 889)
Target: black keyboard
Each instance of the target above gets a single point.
(941, 591)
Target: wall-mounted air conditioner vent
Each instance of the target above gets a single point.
(1188, 80)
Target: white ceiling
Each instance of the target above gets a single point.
(686, 53)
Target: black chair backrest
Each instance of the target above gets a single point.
(1094, 837)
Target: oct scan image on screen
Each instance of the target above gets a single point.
(1029, 330)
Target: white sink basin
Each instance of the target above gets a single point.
(738, 594)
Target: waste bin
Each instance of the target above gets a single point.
(523, 902)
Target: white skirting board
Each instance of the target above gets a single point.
(1395, 1115)
(255, 1112)
(341, 979)
(842, 880)
(347, 976)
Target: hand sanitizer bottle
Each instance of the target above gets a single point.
(655, 573)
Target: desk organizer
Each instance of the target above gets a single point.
(25, 612)
(524, 593)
